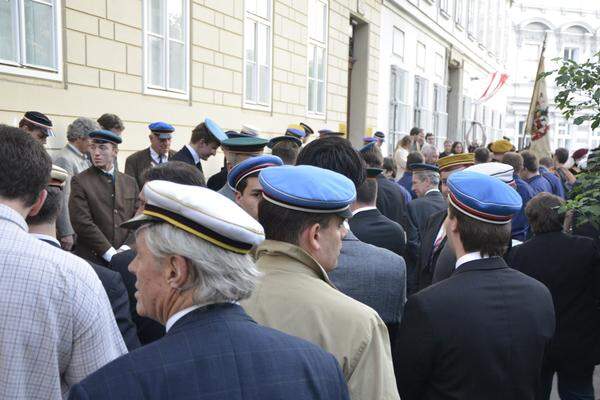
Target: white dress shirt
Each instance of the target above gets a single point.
(156, 157)
(180, 314)
(194, 153)
(475, 255)
(56, 323)
(431, 190)
(363, 209)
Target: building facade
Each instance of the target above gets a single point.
(266, 63)
(437, 59)
(572, 31)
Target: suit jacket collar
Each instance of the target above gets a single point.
(481, 265)
(350, 237)
(434, 193)
(210, 314)
(367, 214)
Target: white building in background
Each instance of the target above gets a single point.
(436, 60)
(573, 32)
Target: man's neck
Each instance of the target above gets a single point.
(529, 174)
(106, 168)
(177, 303)
(44, 229)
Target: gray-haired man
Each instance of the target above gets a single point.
(73, 158)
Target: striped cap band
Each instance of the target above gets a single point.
(478, 215)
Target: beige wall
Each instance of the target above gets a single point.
(103, 64)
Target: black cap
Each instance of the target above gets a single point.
(285, 138)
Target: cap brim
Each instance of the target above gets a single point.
(139, 220)
(164, 135)
(50, 132)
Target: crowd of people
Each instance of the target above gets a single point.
(315, 270)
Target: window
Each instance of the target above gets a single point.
(445, 8)
(468, 115)
(440, 114)
(30, 38)
(571, 53)
(257, 53)
(421, 55)
(398, 43)
(166, 47)
(317, 56)
(399, 107)
(420, 111)
(459, 12)
(471, 12)
(440, 66)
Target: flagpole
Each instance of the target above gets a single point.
(528, 121)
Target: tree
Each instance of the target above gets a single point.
(579, 99)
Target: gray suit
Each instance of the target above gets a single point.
(74, 162)
(227, 192)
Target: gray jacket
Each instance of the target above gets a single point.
(74, 162)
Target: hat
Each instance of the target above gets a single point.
(580, 153)
(296, 131)
(104, 136)
(248, 130)
(483, 197)
(162, 129)
(234, 134)
(423, 167)
(455, 161)
(250, 166)
(244, 144)
(373, 172)
(279, 139)
(501, 146)
(40, 120)
(380, 135)
(502, 171)
(200, 212)
(369, 139)
(307, 129)
(58, 176)
(215, 130)
(308, 189)
(328, 132)
(367, 147)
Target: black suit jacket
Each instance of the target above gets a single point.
(117, 295)
(372, 227)
(427, 258)
(218, 180)
(185, 156)
(480, 334)
(390, 201)
(570, 267)
(148, 330)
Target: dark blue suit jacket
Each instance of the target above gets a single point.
(219, 352)
(185, 156)
(406, 182)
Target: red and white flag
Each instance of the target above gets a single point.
(497, 81)
(538, 122)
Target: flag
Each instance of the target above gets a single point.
(497, 81)
(538, 122)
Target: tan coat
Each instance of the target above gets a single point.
(97, 208)
(295, 296)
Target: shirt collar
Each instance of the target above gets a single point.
(8, 214)
(431, 190)
(48, 238)
(156, 157)
(76, 151)
(475, 255)
(180, 314)
(194, 153)
(361, 209)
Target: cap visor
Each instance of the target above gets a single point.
(165, 136)
(50, 133)
(138, 221)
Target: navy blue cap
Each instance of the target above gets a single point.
(328, 132)
(40, 120)
(367, 147)
(299, 133)
(483, 197)
(234, 134)
(424, 167)
(279, 139)
(307, 129)
(215, 130)
(369, 139)
(104, 136)
(162, 129)
(250, 166)
(309, 189)
(245, 144)
(380, 135)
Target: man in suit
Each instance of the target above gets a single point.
(206, 139)
(369, 225)
(149, 330)
(101, 199)
(568, 266)
(406, 179)
(433, 237)
(159, 152)
(371, 275)
(192, 269)
(480, 334)
(43, 226)
(73, 158)
(520, 225)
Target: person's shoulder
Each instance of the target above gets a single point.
(137, 155)
(362, 258)
(127, 178)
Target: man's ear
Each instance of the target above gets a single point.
(238, 197)
(309, 238)
(177, 272)
(37, 206)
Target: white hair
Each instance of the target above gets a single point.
(216, 276)
(428, 150)
(80, 128)
(432, 176)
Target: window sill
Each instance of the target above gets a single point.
(56, 76)
(164, 93)
(445, 14)
(313, 115)
(256, 107)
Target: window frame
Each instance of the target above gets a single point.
(250, 16)
(445, 8)
(438, 115)
(399, 107)
(571, 50)
(421, 103)
(459, 11)
(403, 35)
(22, 68)
(147, 88)
(315, 43)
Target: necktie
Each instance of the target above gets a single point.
(161, 159)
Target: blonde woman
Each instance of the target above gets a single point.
(400, 153)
